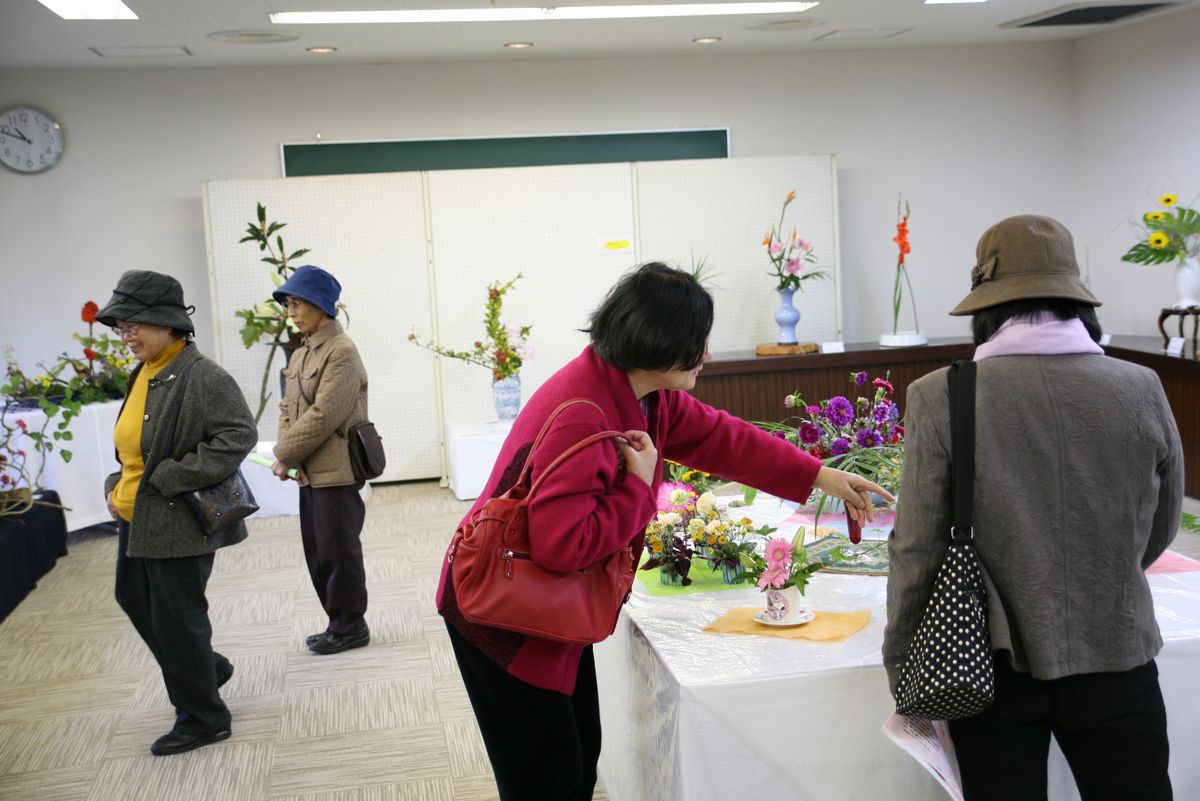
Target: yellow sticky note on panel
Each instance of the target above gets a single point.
(616, 246)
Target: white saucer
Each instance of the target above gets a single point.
(806, 615)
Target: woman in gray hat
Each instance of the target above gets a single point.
(325, 394)
(1078, 487)
(163, 558)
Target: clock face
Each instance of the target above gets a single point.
(30, 140)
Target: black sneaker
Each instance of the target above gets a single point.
(175, 743)
(330, 643)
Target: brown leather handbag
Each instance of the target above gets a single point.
(497, 583)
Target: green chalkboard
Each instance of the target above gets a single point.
(342, 158)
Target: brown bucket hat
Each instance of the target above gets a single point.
(1021, 258)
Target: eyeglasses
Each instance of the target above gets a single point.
(130, 330)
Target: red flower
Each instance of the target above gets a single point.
(89, 311)
(501, 357)
(885, 385)
(90, 354)
(3, 479)
(21, 425)
(901, 238)
(818, 453)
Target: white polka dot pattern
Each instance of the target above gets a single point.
(948, 673)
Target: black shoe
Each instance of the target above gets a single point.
(175, 743)
(223, 678)
(311, 639)
(330, 643)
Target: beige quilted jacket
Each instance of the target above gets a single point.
(325, 393)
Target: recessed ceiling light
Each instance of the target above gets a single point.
(321, 49)
(89, 9)
(519, 45)
(948, 2)
(526, 14)
(253, 37)
(707, 39)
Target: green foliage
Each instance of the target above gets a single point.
(1170, 234)
(1190, 523)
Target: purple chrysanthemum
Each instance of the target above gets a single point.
(868, 438)
(839, 446)
(813, 409)
(779, 433)
(839, 411)
(882, 411)
(860, 378)
(809, 434)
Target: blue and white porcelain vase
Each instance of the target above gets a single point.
(786, 317)
(506, 393)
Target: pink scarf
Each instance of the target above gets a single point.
(1040, 334)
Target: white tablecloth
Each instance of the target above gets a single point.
(471, 451)
(690, 716)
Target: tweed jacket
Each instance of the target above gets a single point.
(325, 394)
(214, 434)
(1078, 489)
(591, 508)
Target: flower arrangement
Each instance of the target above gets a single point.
(682, 476)
(863, 436)
(901, 240)
(781, 564)
(506, 347)
(788, 257)
(98, 371)
(1173, 233)
(268, 321)
(16, 496)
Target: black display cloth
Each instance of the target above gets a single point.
(30, 544)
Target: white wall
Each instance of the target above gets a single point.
(1139, 119)
(969, 134)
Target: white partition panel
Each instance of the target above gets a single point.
(548, 223)
(369, 232)
(720, 209)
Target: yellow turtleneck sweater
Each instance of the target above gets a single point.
(127, 435)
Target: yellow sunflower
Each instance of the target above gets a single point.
(1155, 216)
(1167, 201)
(1158, 240)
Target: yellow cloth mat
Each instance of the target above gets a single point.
(826, 627)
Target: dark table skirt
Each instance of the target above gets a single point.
(30, 544)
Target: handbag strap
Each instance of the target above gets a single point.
(176, 407)
(525, 468)
(962, 447)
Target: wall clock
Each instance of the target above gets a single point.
(31, 141)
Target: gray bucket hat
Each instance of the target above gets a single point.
(1022, 258)
(143, 296)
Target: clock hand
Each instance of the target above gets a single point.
(14, 132)
(23, 136)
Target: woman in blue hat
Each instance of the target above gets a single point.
(325, 394)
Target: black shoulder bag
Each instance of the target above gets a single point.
(222, 504)
(949, 672)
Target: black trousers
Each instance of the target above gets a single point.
(331, 521)
(543, 745)
(165, 602)
(1111, 727)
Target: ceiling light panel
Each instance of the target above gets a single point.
(89, 9)
(533, 14)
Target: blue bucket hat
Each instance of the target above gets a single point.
(314, 285)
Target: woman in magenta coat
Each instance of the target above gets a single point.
(536, 700)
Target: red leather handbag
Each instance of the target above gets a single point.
(497, 584)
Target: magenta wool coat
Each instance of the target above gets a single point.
(588, 509)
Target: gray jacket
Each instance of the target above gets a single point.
(214, 434)
(1078, 489)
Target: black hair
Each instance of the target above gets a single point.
(986, 322)
(655, 318)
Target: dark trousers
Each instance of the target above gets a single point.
(331, 520)
(165, 601)
(1111, 727)
(543, 745)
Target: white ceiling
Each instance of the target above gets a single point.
(33, 36)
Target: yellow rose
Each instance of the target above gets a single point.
(706, 504)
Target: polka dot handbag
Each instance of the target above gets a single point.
(948, 673)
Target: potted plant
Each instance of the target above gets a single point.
(898, 338)
(1172, 234)
(788, 258)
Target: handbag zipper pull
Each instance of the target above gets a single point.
(508, 557)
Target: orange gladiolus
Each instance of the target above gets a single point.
(790, 196)
(901, 238)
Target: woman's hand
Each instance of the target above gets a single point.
(112, 510)
(280, 470)
(640, 455)
(301, 477)
(853, 489)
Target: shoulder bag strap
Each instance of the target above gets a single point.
(524, 477)
(568, 453)
(176, 406)
(962, 447)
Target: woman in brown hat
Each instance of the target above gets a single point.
(1078, 487)
(163, 558)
